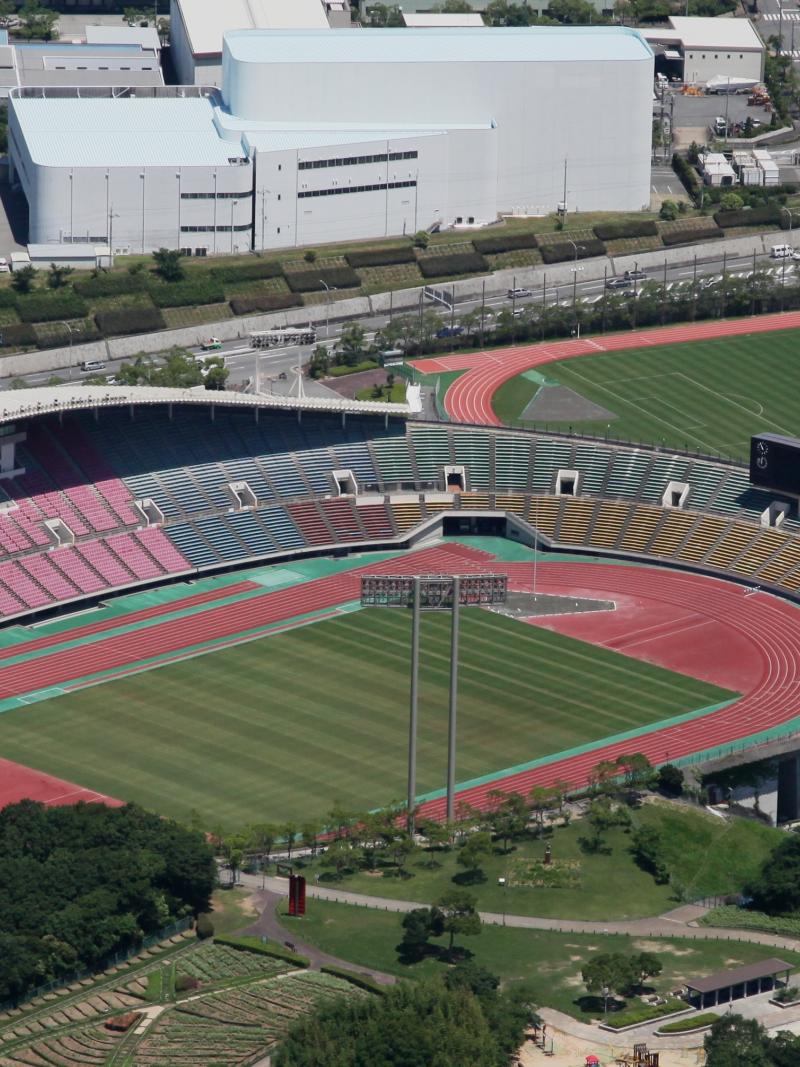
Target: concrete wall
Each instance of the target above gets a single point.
(701, 65)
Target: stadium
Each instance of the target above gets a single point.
(180, 594)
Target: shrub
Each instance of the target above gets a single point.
(8, 298)
(745, 919)
(642, 1013)
(247, 272)
(50, 306)
(363, 981)
(380, 257)
(204, 927)
(110, 284)
(244, 305)
(18, 335)
(616, 231)
(338, 372)
(504, 242)
(313, 281)
(767, 215)
(201, 289)
(669, 211)
(129, 320)
(682, 237)
(421, 239)
(687, 175)
(457, 263)
(185, 982)
(561, 252)
(691, 1022)
(310, 256)
(269, 948)
(787, 994)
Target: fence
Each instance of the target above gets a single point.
(110, 961)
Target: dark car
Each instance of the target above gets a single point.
(618, 283)
(450, 331)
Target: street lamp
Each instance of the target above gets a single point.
(329, 289)
(575, 272)
(233, 205)
(63, 323)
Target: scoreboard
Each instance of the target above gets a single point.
(775, 462)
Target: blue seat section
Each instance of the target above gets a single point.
(432, 449)
(393, 456)
(184, 536)
(249, 530)
(471, 449)
(221, 538)
(705, 479)
(512, 462)
(184, 462)
(592, 461)
(627, 474)
(665, 469)
(550, 457)
(282, 527)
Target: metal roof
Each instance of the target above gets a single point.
(556, 44)
(697, 32)
(723, 979)
(145, 36)
(429, 20)
(122, 132)
(207, 20)
(27, 403)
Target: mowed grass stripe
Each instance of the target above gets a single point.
(712, 395)
(281, 727)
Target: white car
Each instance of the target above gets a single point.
(4, 268)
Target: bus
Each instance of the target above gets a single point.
(287, 335)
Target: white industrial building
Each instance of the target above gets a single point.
(703, 49)
(197, 28)
(321, 136)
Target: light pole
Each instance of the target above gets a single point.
(787, 211)
(64, 323)
(233, 205)
(111, 217)
(575, 272)
(328, 289)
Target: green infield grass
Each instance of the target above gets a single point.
(705, 396)
(281, 727)
(548, 962)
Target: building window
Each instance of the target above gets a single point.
(220, 229)
(339, 190)
(353, 161)
(219, 196)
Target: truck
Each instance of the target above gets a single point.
(211, 344)
(284, 336)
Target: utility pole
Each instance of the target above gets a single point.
(413, 707)
(451, 725)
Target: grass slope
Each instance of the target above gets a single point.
(704, 856)
(708, 396)
(548, 962)
(280, 727)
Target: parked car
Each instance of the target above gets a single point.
(450, 331)
(4, 268)
(618, 283)
(91, 366)
(515, 294)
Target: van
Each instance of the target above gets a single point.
(91, 366)
(781, 252)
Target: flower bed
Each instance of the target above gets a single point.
(689, 1024)
(645, 1013)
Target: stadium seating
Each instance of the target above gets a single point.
(88, 469)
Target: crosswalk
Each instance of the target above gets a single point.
(788, 16)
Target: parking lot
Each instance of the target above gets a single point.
(701, 111)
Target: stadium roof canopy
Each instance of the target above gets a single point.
(27, 403)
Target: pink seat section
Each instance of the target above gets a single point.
(128, 549)
(159, 546)
(102, 559)
(70, 562)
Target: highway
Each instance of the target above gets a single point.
(277, 367)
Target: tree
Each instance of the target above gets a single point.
(235, 860)
(460, 915)
(636, 768)
(573, 12)
(542, 801)
(319, 363)
(23, 278)
(668, 211)
(8, 12)
(734, 1041)
(309, 834)
(472, 854)
(731, 202)
(37, 22)
(57, 276)
(216, 373)
(454, 7)
(168, 264)
(350, 346)
(510, 820)
(419, 926)
(262, 837)
(670, 780)
(609, 974)
(647, 966)
(421, 239)
(136, 16)
(310, 255)
(776, 889)
(289, 835)
(339, 855)
(646, 846)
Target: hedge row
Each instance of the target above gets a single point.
(561, 252)
(103, 284)
(751, 216)
(616, 231)
(129, 320)
(683, 237)
(8, 298)
(687, 174)
(188, 293)
(247, 272)
(363, 981)
(244, 305)
(744, 919)
(458, 263)
(314, 281)
(268, 948)
(380, 257)
(691, 1022)
(496, 243)
(51, 306)
(343, 369)
(18, 335)
(643, 1013)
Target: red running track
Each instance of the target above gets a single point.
(750, 643)
(469, 398)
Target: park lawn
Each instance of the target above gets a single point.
(707, 396)
(232, 910)
(704, 855)
(280, 728)
(394, 394)
(548, 962)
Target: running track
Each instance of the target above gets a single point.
(469, 398)
(749, 643)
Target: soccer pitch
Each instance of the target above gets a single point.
(705, 396)
(279, 728)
